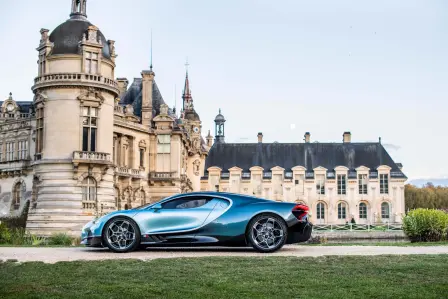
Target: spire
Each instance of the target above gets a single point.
(188, 100)
(79, 8)
(150, 67)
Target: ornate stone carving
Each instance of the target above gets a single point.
(44, 38)
(196, 165)
(196, 144)
(93, 34)
(142, 144)
(91, 94)
(129, 110)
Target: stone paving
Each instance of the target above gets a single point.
(57, 254)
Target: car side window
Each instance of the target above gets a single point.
(185, 203)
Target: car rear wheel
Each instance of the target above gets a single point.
(267, 233)
(121, 234)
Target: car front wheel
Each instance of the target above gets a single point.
(267, 233)
(121, 234)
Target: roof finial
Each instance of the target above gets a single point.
(175, 98)
(219, 110)
(186, 65)
(150, 67)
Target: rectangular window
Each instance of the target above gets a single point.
(142, 157)
(320, 184)
(1, 152)
(42, 63)
(362, 183)
(163, 144)
(384, 184)
(23, 150)
(342, 183)
(91, 63)
(39, 130)
(10, 148)
(163, 153)
(89, 123)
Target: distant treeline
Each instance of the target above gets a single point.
(428, 196)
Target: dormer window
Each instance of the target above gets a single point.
(91, 62)
(42, 64)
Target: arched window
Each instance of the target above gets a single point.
(320, 211)
(17, 195)
(385, 210)
(342, 210)
(362, 210)
(89, 194)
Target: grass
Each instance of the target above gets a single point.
(401, 244)
(409, 276)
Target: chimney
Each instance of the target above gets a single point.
(147, 84)
(347, 137)
(209, 139)
(122, 85)
(307, 137)
(260, 137)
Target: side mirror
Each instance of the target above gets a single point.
(157, 206)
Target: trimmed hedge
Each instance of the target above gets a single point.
(18, 221)
(426, 225)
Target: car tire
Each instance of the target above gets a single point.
(270, 238)
(117, 235)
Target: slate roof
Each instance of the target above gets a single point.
(66, 37)
(308, 155)
(133, 96)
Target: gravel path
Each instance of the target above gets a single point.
(53, 255)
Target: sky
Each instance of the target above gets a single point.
(375, 68)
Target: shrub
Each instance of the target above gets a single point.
(426, 225)
(60, 239)
(18, 221)
(5, 234)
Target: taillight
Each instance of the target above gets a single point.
(300, 211)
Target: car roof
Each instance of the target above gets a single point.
(225, 194)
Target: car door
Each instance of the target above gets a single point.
(179, 215)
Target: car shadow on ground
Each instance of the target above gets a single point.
(188, 249)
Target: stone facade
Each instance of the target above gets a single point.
(338, 181)
(87, 145)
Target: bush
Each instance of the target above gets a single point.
(60, 239)
(18, 221)
(425, 225)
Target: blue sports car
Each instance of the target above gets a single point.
(202, 219)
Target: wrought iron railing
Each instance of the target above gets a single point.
(358, 227)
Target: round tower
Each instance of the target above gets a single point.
(74, 101)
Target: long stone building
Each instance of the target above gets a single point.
(90, 143)
(339, 181)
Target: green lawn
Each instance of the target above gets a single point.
(232, 277)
